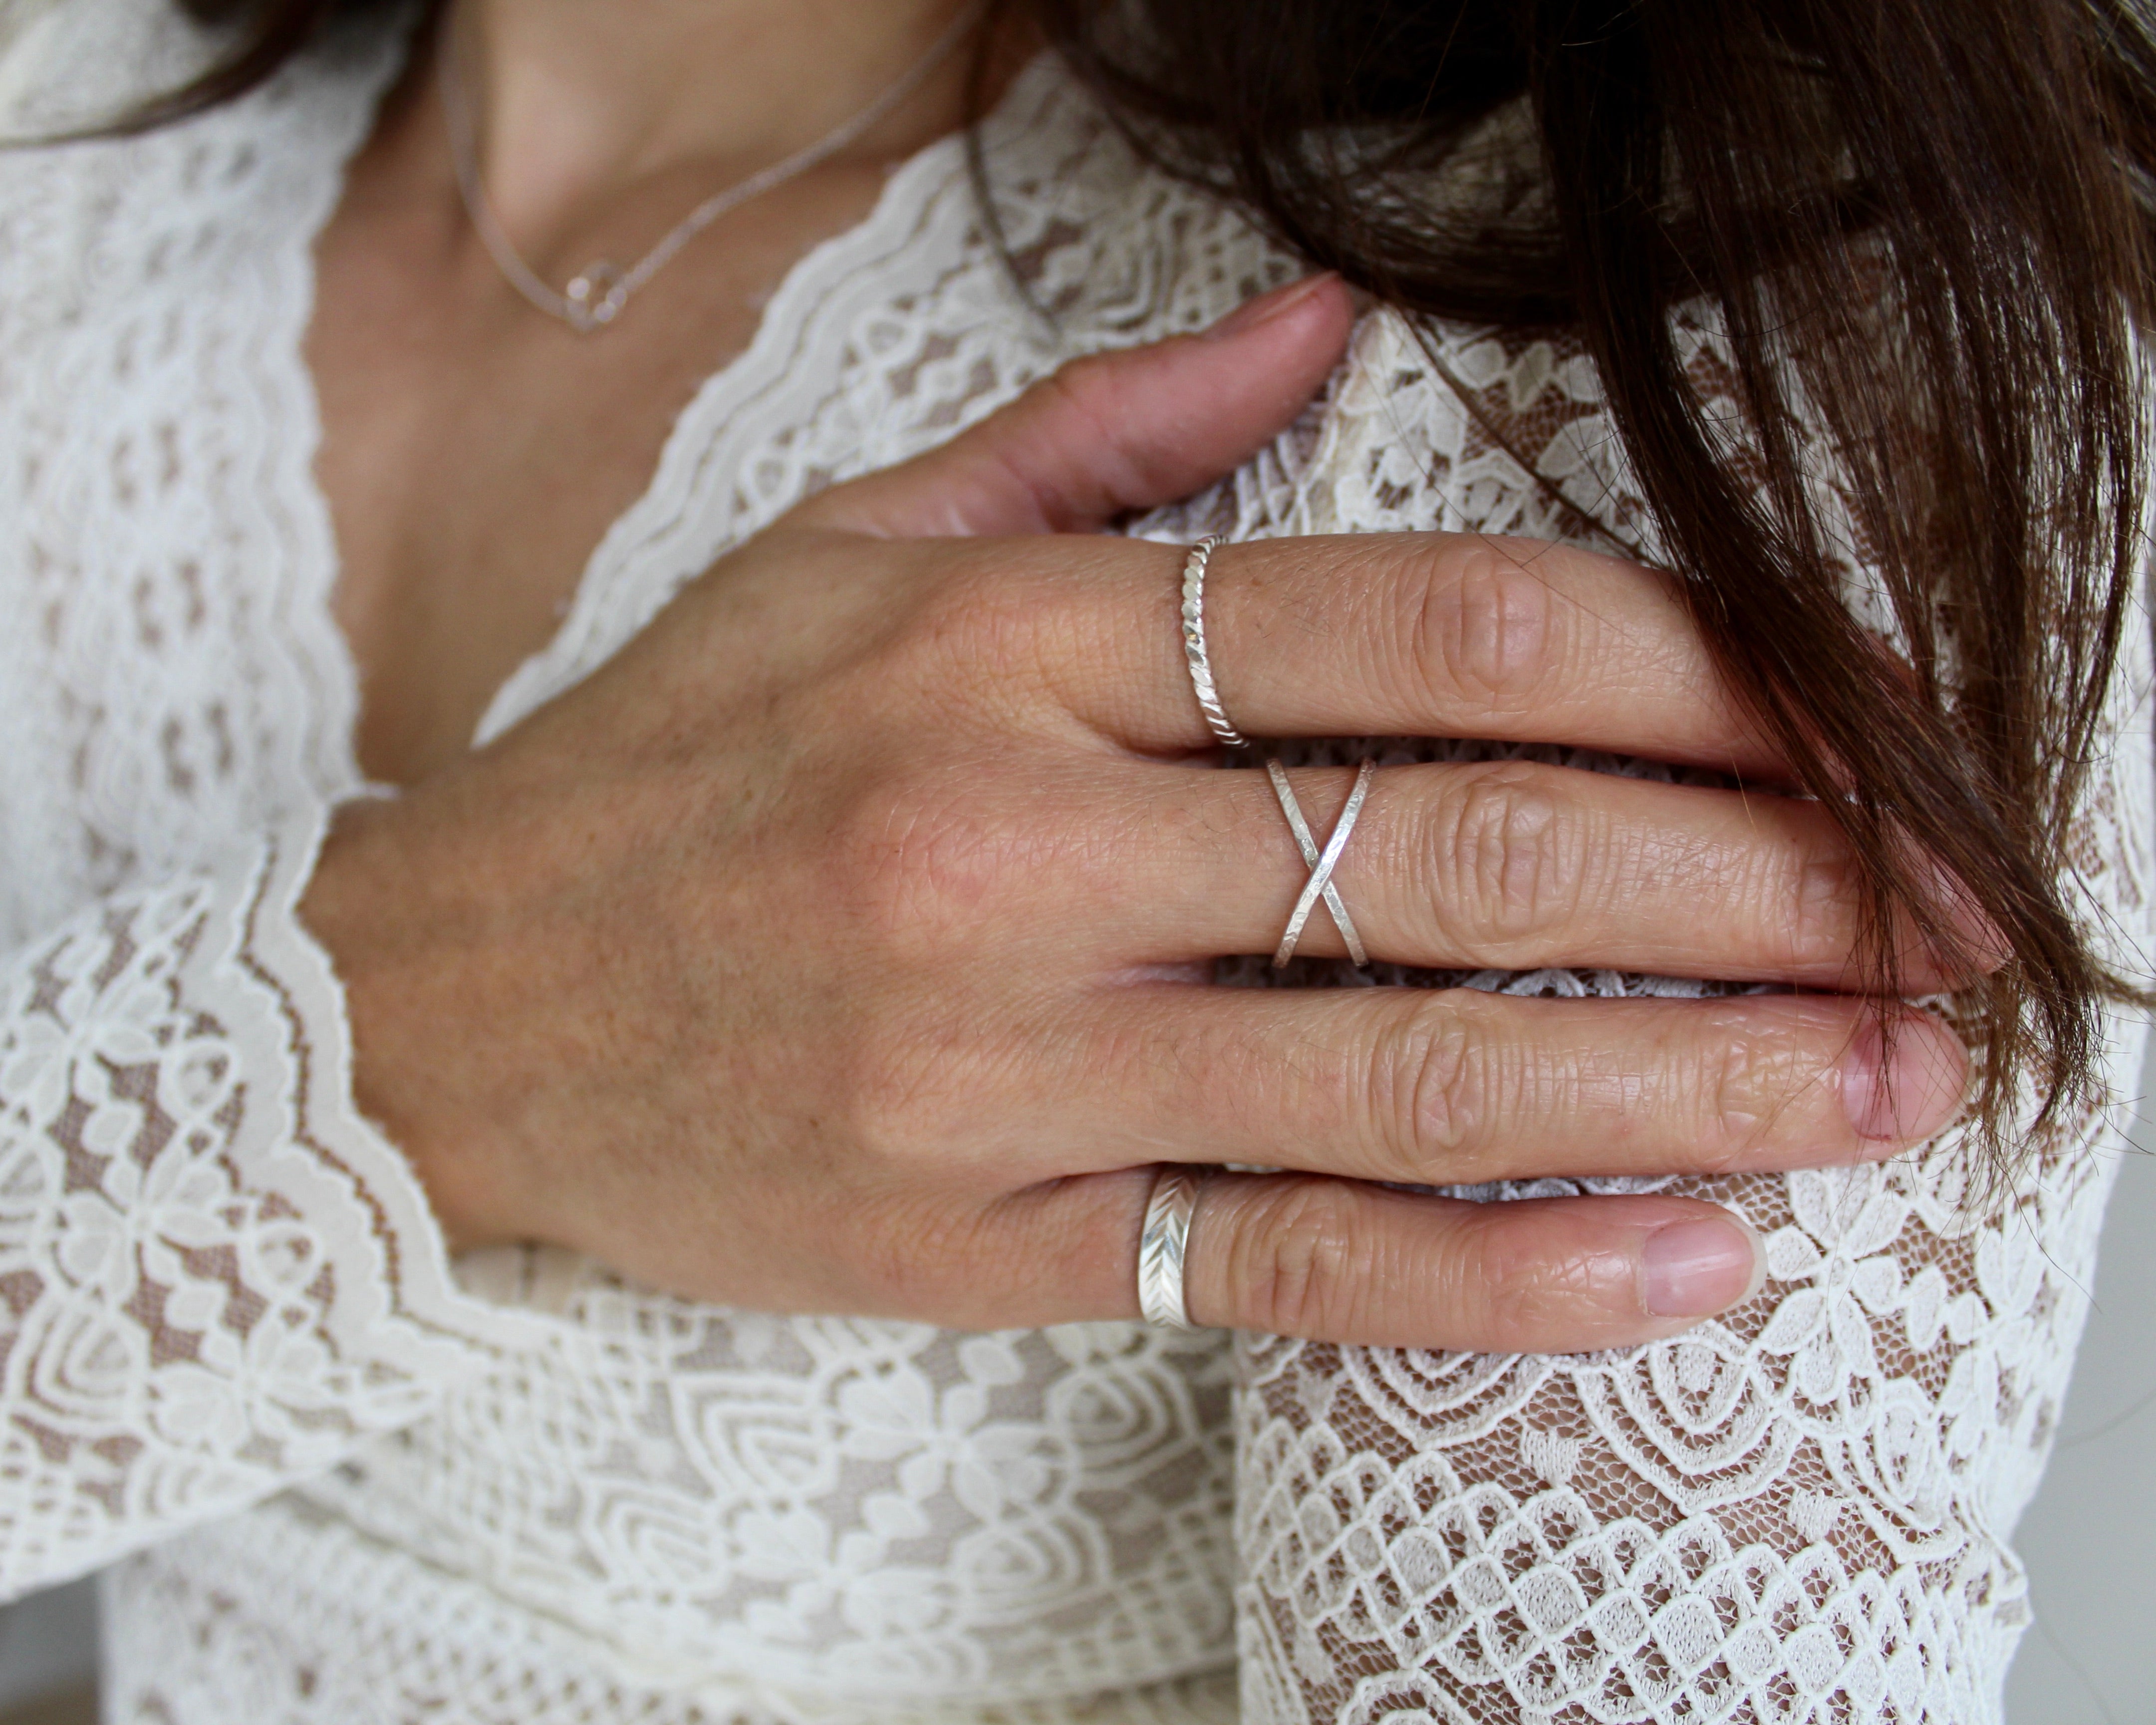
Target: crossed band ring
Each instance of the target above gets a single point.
(1165, 1234)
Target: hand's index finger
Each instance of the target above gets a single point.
(1416, 634)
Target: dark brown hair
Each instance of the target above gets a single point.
(1925, 230)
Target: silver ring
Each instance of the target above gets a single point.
(1321, 863)
(1160, 1245)
(1193, 642)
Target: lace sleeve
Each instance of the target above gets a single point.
(215, 1278)
(1797, 1512)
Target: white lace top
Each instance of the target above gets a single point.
(339, 1480)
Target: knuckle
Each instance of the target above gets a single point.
(1087, 400)
(1081, 398)
(974, 630)
(1525, 1296)
(1508, 861)
(1082, 385)
(916, 862)
(1821, 916)
(1435, 1085)
(913, 1087)
(1484, 631)
(1300, 1265)
(1747, 1082)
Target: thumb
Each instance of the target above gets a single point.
(1112, 432)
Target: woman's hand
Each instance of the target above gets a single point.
(843, 944)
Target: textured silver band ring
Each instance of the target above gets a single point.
(1193, 642)
(1322, 864)
(1161, 1242)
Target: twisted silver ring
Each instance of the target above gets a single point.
(1194, 642)
(1321, 863)
(1160, 1245)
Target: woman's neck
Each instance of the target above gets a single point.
(575, 102)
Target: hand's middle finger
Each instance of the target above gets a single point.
(1509, 865)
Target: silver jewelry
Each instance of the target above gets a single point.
(596, 295)
(1322, 864)
(1160, 1245)
(1193, 642)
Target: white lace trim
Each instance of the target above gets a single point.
(221, 1276)
(212, 1288)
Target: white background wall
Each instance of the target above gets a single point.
(2090, 1537)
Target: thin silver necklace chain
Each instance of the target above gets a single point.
(596, 295)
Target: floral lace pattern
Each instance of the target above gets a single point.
(1795, 1513)
(212, 1286)
(203, 1305)
(289, 1614)
(539, 1494)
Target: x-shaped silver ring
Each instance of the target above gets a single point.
(1321, 865)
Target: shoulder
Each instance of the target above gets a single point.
(1472, 428)
(1109, 249)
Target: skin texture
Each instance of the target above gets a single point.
(840, 946)
(474, 450)
(836, 947)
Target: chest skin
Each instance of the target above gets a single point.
(474, 450)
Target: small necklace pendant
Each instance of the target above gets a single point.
(596, 296)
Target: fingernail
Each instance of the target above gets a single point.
(1696, 1269)
(1248, 315)
(1922, 1094)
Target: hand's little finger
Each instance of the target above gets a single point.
(1335, 1261)
(1339, 1261)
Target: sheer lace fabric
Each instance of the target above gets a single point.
(524, 1490)
(217, 1277)
(1798, 1512)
